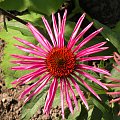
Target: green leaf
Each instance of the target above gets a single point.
(45, 7)
(96, 114)
(83, 114)
(69, 27)
(57, 98)
(109, 34)
(115, 73)
(99, 104)
(36, 21)
(11, 49)
(19, 5)
(31, 107)
(76, 114)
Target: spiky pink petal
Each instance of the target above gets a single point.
(51, 95)
(23, 57)
(55, 28)
(92, 78)
(28, 75)
(115, 100)
(49, 31)
(73, 94)
(38, 89)
(30, 67)
(116, 68)
(113, 79)
(95, 58)
(62, 29)
(33, 77)
(86, 52)
(87, 39)
(91, 48)
(75, 31)
(40, 38)
(75, 40)
(62, 96)
(87, 86)
(27, 90)
(31, 51)
(68, 97)
(28, 62)
(113, 93)
(99, 70)
(79, 91)
(112, 85)
(31, 45)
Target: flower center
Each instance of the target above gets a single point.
(60, 62)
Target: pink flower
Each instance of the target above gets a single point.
(60, 63)
(116, 82)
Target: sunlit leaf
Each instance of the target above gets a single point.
(11, 49)
(109, 34)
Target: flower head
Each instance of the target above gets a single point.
(115, 81)
(60, 63)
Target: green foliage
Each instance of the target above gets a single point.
(19, 5)
(31, 107)
(11, 49)
(109, 34)
(76, 114)
(45, 7)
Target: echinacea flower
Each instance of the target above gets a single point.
(60, 63)
(115, 81)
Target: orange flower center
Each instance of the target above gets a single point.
(60, 62)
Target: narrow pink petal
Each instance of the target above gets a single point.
(62, 97)
(90, 51)
(31, 45)
(38, 89)
(33, 77)
(116, 68)
(68, 97)
(91, 48)
(55, 28)
(113, 79)
(61, 34)
(28, 75)
(87, 67)
(112, 85)
(117, 55)
(73, 94)
(51, 95)
(59, 22)
(26, 62)
(30, 67)
(87, 86)
(75, 31)
(40, 38)
(30, 51)
(95, 58)
(87, 39)
(27, 90)
(49, 31)
(92, 78)
(79, 91)
(59, 28)
(115, 100)
(75, 40)
(26, 57)
(113, 93)
(117, 58)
